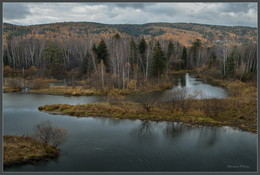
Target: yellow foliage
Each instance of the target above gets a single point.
(131, 84)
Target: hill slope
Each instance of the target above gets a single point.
(184, 33)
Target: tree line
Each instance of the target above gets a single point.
(118, 62)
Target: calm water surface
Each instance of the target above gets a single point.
(192, 85)
(103, 144)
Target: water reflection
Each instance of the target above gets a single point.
(192, 85)
(208, 136)
(94, 142)
(145, 131)
(174, 129)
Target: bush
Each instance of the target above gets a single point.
(212, 107)
(47, 134)
(39, 84)
(14, 83)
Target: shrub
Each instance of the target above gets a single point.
(14, 83)
(39, 84)
(212, 107)
(47, 134)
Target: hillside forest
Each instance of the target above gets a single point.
(119, 59)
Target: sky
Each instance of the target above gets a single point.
(231, 14)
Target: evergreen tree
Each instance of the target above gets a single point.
(159, 61)
(102, 53)
(87, 65)
(170, 50)
(116, 36)
(142, 50)
(5, 58)
(194, 49)
(133, 52)
(142, 46)
(184, 58)
(230, 64)
(53, 56)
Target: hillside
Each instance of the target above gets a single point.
(184, 33)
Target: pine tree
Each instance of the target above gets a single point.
(102, 53)
(142, 46)
(170, 50)
(230, 65)
(117, 36)
(53, 57)
(184, 58)
(159, 61)
(195, 49)
(5, 58)
(133, 52)
(87, 65)
(142, 50)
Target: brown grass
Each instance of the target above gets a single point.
(25, 149)
(213, 112)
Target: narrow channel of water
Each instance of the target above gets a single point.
(194, 85)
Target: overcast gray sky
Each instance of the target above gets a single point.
(232, 14)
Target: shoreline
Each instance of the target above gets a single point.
(155, 120)
(87, 92)
(134, 111)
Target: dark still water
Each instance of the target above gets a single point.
(103, 144)
(192, 85)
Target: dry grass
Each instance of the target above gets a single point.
(213, 112)
(81, 91)
(24, 149)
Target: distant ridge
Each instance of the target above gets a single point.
(184, 33)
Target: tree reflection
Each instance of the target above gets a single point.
(144, 131)
(208, 136)
(174, 129)
(183, 81)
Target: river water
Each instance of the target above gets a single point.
(101, 144)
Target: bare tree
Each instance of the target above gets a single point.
(147, 100)
(47, 134)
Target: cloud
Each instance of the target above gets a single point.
(133, 13)
(15, 10)
(237, 7)
(131, 5)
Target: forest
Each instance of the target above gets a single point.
(124, 62)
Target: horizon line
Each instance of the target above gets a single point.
(128, 23)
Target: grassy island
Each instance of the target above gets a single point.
(210, 112)
(25, 149)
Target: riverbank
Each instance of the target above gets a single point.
(209, 112)
(25, 149)
(81, 91)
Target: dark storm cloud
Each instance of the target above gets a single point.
(15, 10)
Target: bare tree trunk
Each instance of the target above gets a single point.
(102, 74)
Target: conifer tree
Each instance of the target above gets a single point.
(142, 50)
(159, 61)
(86, 66)
(184, 58)
(53, 57)
(133, 52)
(170, 50)
(102, 53)
(230, 64)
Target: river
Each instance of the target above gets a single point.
(101, 144)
